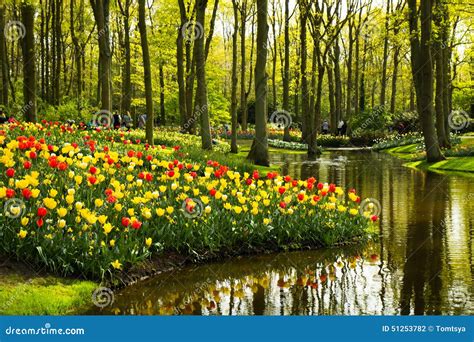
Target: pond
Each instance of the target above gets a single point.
(422, 263)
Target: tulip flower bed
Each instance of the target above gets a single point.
(95, 202)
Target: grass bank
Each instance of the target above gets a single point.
(23, 292)
(459, 159)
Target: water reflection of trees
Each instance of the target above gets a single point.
(422, 265)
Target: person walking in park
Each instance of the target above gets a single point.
(142, 121)
(117, 120)
(325, 127)
(340, 126)
(127, 120)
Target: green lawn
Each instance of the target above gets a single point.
(43, 295)
(415, 158)
(459, 164)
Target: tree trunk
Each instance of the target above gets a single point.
(259, 150)
(201, 90)
(243, 95)
(356, 72)
(162, 96)
(337, 81)
(446, 61)
(180, 68)
(126, 72)
(101, 15)
(77, 55)
(274, 59)
(422, 71)
(3, 59)
(349, 78)
(396, 62)
(146, 71)
(385, 56)
(332, 114)
(57, 54)
(29, 62)
(303, 65)
(286, 70)
(362, 78)
(233, 105)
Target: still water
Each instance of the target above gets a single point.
(422, 263)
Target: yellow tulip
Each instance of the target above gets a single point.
(148, 242)
(116, 264)
(107, 228)
(50, 203)
(62, 212)
(22, 234)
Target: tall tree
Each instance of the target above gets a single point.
(3, 59)
(303, 7)
(233, 103)
(101, 14)
(243, 66)
(180, 67)
(201, 90)
(286, 70)
(422, 71)
(29, 62)
(439, 61)
(126, 72)
(259, 150)
(146, 71)
(383, 86)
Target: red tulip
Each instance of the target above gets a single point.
(136, 224)
(125, 221)
(42, 211)
(10, 193)
(26, 193)
(10, 173)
